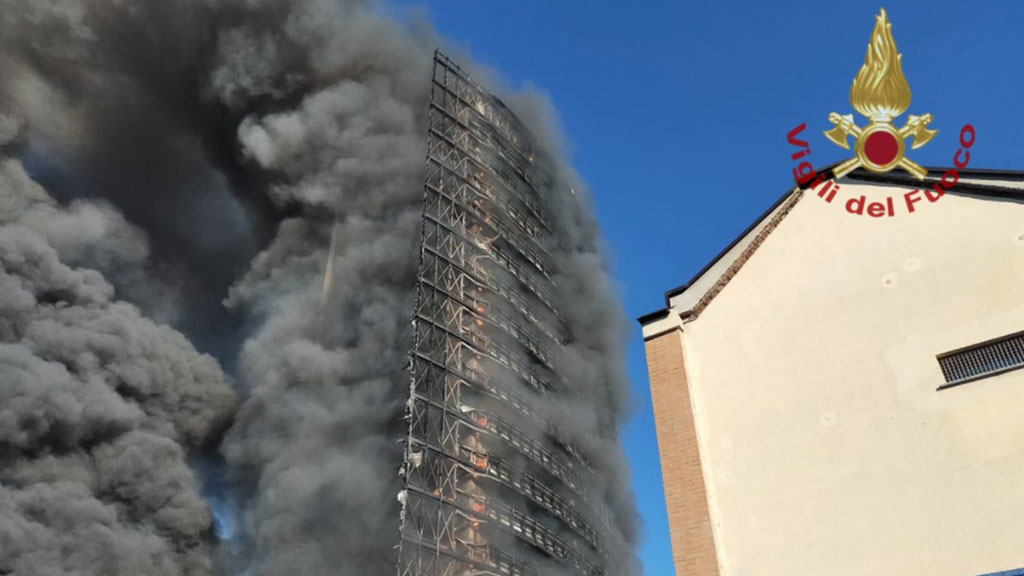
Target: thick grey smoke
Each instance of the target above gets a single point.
(594, 362)
(237, 134)
(98, 405)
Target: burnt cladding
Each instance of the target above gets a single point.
(488, 487)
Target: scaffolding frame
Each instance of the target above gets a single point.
(483, 493)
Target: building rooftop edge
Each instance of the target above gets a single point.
(866, 176)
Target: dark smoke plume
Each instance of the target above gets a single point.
(98, 405)
(234, 136)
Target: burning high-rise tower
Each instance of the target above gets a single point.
(490, 486)
(173, 179)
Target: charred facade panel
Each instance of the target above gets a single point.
(487, 488)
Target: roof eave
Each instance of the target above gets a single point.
(867, 176)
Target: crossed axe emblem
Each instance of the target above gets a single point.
(880, 145)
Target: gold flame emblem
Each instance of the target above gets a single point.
(880, 93)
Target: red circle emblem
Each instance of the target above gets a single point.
(881, 148)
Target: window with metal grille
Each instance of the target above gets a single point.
(985, 359)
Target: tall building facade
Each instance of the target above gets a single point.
(840, 393)
(486, 490)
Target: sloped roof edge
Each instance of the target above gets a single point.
(933, 177)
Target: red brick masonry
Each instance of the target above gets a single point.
(693, 547)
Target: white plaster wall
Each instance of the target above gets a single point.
(826, 447)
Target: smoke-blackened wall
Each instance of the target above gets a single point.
(204, 150)
(595, 400)
(593, 362)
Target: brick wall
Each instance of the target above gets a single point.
(693, 547)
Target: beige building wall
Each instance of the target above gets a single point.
(825, 446)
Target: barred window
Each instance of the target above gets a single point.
(980, 360)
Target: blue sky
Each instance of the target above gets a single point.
(677, 114)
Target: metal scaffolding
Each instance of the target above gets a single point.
(486, 491)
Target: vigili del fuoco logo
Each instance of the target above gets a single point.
(880, 93)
